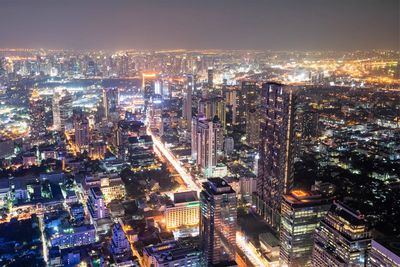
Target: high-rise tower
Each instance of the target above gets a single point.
(275, 167)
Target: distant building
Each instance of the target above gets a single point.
(184, 212)
(82, 134)
(300, 216)
(229, 145)
(171, 254)
(342, 239)
(218, 221)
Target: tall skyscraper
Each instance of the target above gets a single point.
(275, 168)
(218, 221)
(207, 143)
(82, 135)
(210, 78)
(342, 239)
(249, 98)
(301, 213)
(56, 111)
(37, 113)
(187, 102)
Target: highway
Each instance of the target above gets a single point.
(186, 177)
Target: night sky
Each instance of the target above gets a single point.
(225, 24)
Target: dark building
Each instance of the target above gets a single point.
(275, 165)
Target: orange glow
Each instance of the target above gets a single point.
(299, 193)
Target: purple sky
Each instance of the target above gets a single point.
(230, 24)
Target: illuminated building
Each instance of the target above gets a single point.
(218, 221)
(342, 239)
(96, 205)
(56, 111)
(37, 112)
(275, 165)
(120, 246)
(82, 135)
(248, 100)
(252, 128)
(184, 212)
(384, 252)
(300, 215)
(172, 253)
(207, 142)
(74, 236)
(213, 107)
(111, 186)
(187, 102)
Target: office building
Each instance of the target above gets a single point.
(275, 164)
(342, 239)
(249, 97)
(218, 221)
(301, 213)
(385, 252)
(185, 211)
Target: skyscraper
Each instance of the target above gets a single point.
(37, 112)
(187, 102)
(210, 78)
(342, 239)
(82, 135)
(218, 221)
(253, 128)
(301, 213)
(248, 100)
(207, 143)
(275, 167)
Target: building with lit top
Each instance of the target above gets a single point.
(218, 221)
(110, 184)
(301, 213)
(184, 212)
(342, 239)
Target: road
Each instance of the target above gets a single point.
(186, 177)
(44, 243)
